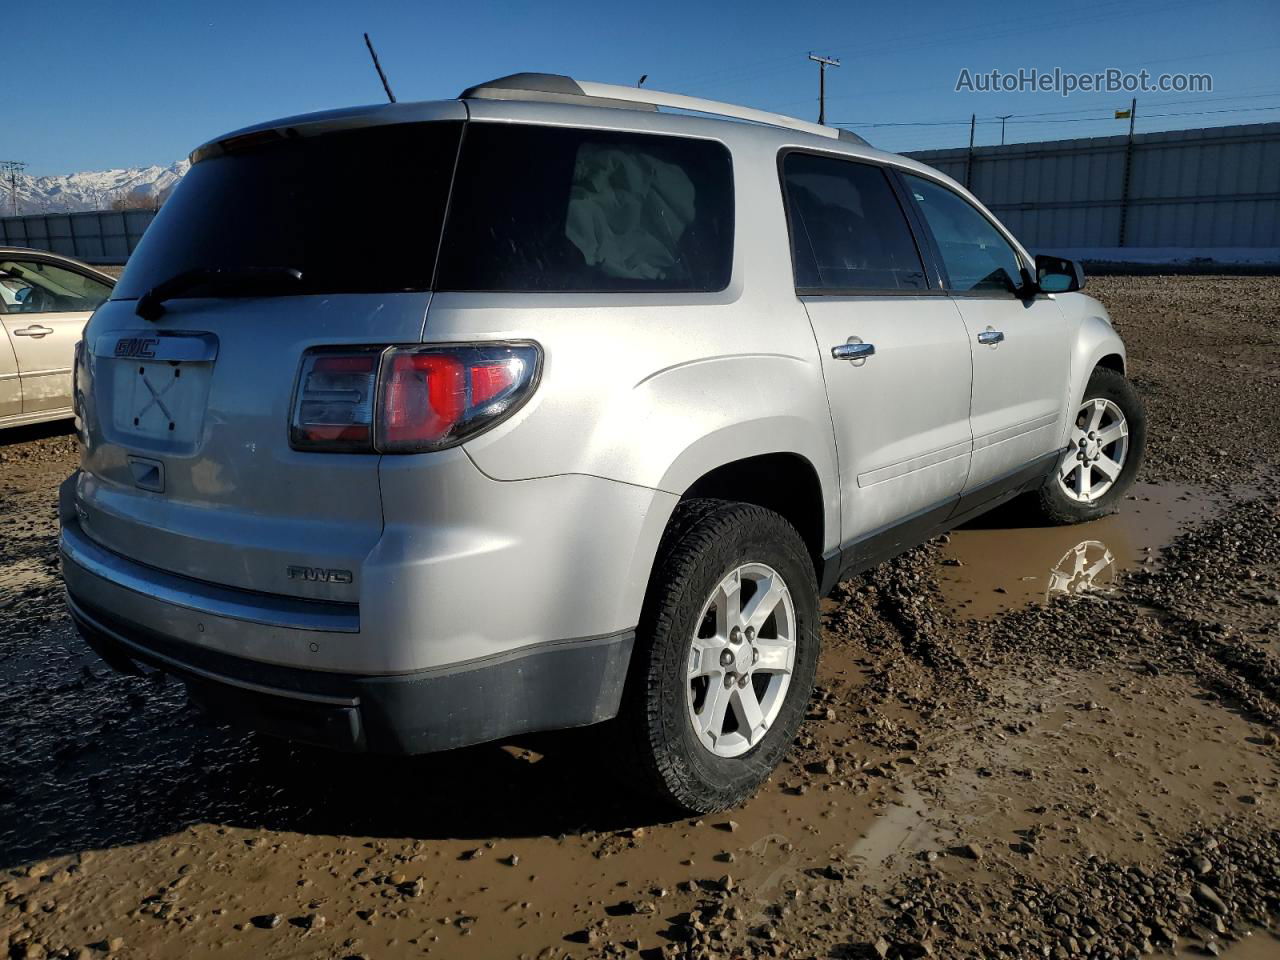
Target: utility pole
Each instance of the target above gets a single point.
(10, 170)
(1128, 173)
(1002, 119)
(968, 163)
(823, 63)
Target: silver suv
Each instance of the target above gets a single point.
(572, 417)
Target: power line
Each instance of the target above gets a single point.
(778, 105)
(1160, 103)
(1016, 118)
(916, 41)
(775, 64)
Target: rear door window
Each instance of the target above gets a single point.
(848, 231)
(556, 209)
(355, 211)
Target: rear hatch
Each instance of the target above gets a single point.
(185, 412)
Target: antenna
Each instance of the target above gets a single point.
(377, 66)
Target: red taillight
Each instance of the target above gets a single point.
(437, 397)
(409, 399)
(423, 398)
(490, 380)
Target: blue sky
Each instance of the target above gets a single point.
(93, 85)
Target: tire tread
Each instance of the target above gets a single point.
(695, 531)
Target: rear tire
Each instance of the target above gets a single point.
(710, 712)
(1110, 428)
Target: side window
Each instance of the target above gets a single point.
(36, 287)
(976, 255)
(848, 231)
(559, 209)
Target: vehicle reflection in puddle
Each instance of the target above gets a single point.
(1006, 560)
(1088, 567)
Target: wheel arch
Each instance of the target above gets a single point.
(1097, 345)
(786, 483)
(1111, 361)
(739, 456)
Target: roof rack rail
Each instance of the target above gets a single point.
(555, 88)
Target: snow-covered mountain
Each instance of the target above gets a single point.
(95, 190)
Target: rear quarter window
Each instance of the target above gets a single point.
(571, 210)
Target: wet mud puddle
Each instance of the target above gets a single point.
(1007, 559)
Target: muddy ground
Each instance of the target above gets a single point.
(1027, 742)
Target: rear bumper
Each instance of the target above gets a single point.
(133, 615)
(551, 687)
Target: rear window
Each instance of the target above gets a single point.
(355, 211)
(569, 210)
(533, 209)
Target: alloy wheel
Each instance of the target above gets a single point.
(1096, 455)
(741, 658)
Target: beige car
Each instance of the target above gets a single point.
(45, 300)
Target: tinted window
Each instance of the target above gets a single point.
(32, 286)
(557, 209)
(355, 211)
(975, 254)
(848, 231)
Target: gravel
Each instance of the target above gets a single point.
(1091, 777)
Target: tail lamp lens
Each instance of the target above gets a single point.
(409, 399)
(437, 397)
(334, 406)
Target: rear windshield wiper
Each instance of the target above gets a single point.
(151, 304)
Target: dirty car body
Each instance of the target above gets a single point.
(618, 316)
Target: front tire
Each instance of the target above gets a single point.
(1108, 438)
(725, 656)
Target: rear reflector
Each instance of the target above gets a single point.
(409, 399)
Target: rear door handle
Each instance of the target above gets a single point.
(36, 332)
(990, 336)
(853, 350)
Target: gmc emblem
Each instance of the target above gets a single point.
(319, 575)
(144, 347)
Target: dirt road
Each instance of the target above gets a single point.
(1027, 742)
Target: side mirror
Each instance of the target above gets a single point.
(1058, 275)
